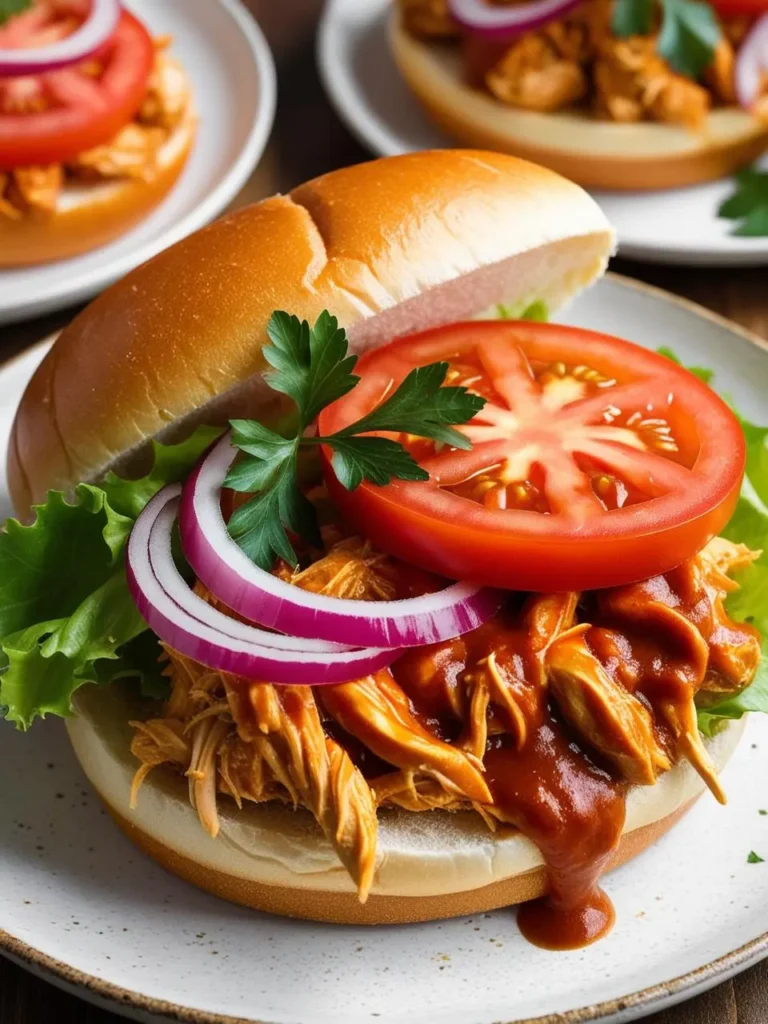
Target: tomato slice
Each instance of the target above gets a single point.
(594, 462)
(51, 118)
(738, 7)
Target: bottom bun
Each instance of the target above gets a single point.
(591, 152)
(91, 215)
(430, 865)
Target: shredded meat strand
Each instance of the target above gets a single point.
(576, 61)
(622, 667)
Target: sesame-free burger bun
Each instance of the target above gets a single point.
(90, 215)
(430, 865)
(593, 152)
(389, 247)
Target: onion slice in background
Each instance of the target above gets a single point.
(751, 63)
(189, 625)
(496, 22)
(82, 43)
(225, 569)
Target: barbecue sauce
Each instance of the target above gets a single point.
(574, 812)
(542, 783)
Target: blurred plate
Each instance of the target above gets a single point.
(83, 908)
(233, 77)
(676, 226)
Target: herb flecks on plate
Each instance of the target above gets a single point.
(314, 368)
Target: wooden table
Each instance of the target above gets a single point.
(308, 139)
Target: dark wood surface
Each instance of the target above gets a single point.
(308, 139)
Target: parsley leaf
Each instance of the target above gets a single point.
(689, 32)
(377, 459)
(755, 858)
(748, 204)
(689, 35)
(313, 367)
(422, 406)
(8, 8)
(632, 18)
(66, 615)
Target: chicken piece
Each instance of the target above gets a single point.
(320, 774)
(719, 76)
(7, 208)
(207, 736)
(351, 569)
(633, 83)
(158, 741)
(167, 92)
(414, 792)
(377, 712)
(604, 714)
(34, 190)
(681, 718)
(532, 75)
(428, 19)
(131, 154)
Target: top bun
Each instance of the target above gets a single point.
(389, 247)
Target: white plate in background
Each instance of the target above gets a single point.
(84, 909)
(229, 62)
(360, 76)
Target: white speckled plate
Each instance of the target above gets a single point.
(233, 77)
(79, 905)
(676, 226)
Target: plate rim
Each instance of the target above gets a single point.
(381, 140)
(88, 283)
(647, 1000)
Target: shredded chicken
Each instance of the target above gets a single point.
(132, 153)
(430, 19)
(577, 61)
(533, 75)
(621, 667)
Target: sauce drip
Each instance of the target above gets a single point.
(574, 812)
(542, 783)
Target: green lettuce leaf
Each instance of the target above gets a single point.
(748, 525)
(66, 616)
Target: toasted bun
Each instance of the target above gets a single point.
(430, 865)
(389, 246)
(596, 154)
(90, 215)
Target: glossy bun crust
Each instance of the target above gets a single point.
(596, 154)
(388, 246)
(434, 864)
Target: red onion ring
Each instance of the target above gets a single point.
(92, 34)
(751, 62)
(228, 572)
(496, 22)
(196, 630)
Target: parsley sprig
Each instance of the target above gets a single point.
(748, 204)
(8, 8)
(314, 368)
(689, 32)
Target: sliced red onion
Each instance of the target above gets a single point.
(189, 625)
(495, 21)
(86, 40)
(751, 63)
(259, 596)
